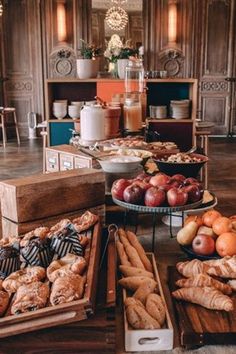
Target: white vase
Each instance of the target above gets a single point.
(121, 65)
(87, 68)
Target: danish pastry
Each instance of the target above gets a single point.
(30, 297)
(4, 301)
(66, 265)
(22, 277)
(66, 289)
(85, 221)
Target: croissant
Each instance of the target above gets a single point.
(202, 280)
(191, 268)
(224, 267)
(209, 298)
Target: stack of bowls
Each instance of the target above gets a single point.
(159, 112)
(180, 109)
(74, 109)
(60, 109)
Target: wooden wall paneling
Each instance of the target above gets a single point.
(216, 63)
(233, 75)
(23, 59)
(83, 21)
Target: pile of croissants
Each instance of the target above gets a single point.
(208, 283)
(145, 308)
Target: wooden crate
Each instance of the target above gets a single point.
(52, 161)
(44, 195)
(65, 313)
(149, 340)
(10, 228)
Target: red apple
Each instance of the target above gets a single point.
(159, 179)
(144, 185)
(133, 194)
(203, 245)
(141, 176)
(176, 197)
(166, 187)
(194, 193)
(190, 180)
(178, 177)
(174, 183)
(118, 188)
(154, 197)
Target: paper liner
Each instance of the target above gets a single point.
(37, 256)
(9, 265)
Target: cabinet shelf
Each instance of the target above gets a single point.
(170, 120)
(63, 120)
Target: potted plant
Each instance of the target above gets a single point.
(122, 61)
(88, 63)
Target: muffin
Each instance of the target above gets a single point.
(9, 256)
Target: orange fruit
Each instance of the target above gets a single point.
(210, 216)
(226, 244)
(195, 218)
(222, 225)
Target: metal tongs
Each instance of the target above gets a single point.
(193, 148)
(112, 235)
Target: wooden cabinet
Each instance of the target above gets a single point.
(159, 92)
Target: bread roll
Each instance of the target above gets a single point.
(122, 255)
(138, 318)
(156, 308)
(139, 248)
(147, 287)
(132, 283)
(132, 272)
(129, 301)
(132, 254)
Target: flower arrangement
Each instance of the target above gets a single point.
(89, 51)
(117, 50)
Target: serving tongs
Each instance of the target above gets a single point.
(190, 151)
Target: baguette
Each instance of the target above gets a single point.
(133, 283)
(132, 272)
(147, 287)
(132, 253)
(122, 255)
(121, 232)
(139, 248)
(130, 301)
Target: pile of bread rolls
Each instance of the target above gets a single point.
(144, 307)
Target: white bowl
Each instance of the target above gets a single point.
(74, 111)
(120, 164)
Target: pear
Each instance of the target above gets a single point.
(186, 235)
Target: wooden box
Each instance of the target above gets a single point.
(66, 162)
(45, 195)
(64, 313)
(52, 161)
(149, 340)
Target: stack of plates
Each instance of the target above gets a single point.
(180, 109)
(159, 112)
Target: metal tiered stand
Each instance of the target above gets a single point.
(158, 210)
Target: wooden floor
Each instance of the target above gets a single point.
(27, 159)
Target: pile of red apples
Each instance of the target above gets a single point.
(158, 190)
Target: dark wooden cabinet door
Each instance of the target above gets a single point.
(217, 55)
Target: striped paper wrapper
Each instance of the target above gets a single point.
(9, 265)
(66, 241)
(37, 255)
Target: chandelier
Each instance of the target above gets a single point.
(119, 2)
(1, 9)
(116, 18)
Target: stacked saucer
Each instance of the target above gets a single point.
(180, 109)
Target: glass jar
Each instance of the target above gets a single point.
(132, 115)
(134, 76)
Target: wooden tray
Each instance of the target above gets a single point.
(149, 340)
(64, 313)
(200, 326)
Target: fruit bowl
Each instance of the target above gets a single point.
(120, 164)
(187, 169)
(191, 254)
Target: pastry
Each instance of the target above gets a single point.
(4, 301)
(22, 277)
(132, 253)
(122, 255)
(85, 221)
(191, 268)
(39, 233)
(202, 280)
(121, 232)
(30, 297)
(147, 287)
(224, 267)
(65, 241)
(232, 284)
(156, 308)
(36, 250)
(139, 248)
(133, 283)
(59, 226)
(71, 263)
(129, 301)
(9, 256)
(139, 318)
(132, 272)
(209, 298)
(66, 289)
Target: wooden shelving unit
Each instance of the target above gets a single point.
(159, 92)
